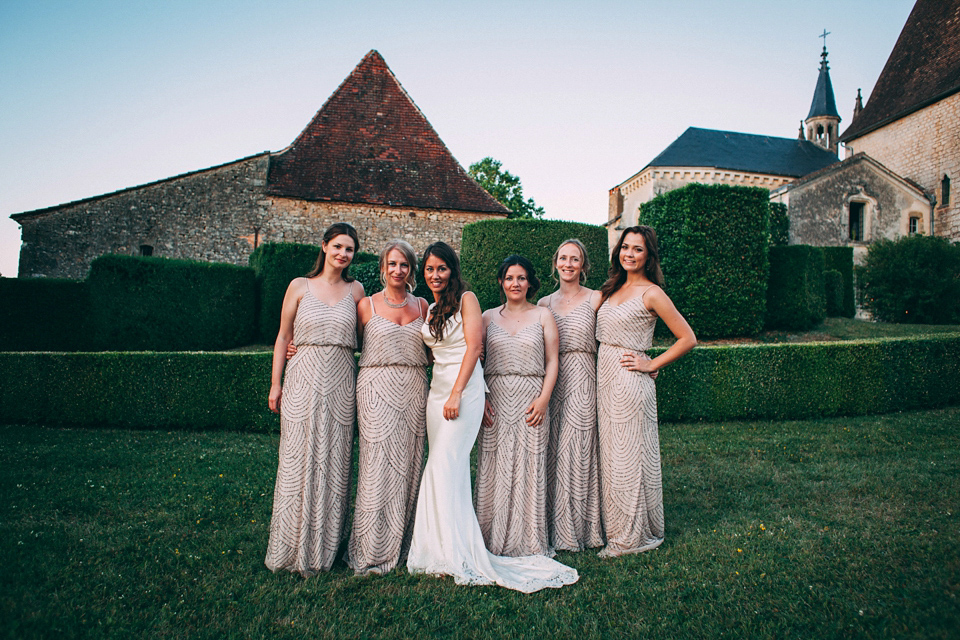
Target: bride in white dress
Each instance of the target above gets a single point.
(446, 535)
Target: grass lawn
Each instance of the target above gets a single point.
(817, 529)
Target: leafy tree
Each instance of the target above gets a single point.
(505, 188)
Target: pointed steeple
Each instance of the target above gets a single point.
(858, 107)
(800, 135)
(823, 121)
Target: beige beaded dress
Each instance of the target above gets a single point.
(391, 416)
(630, 479)
(317, 410)
(573, 465)
(511, 488)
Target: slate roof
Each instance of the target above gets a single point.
(369, 143)
(923, 68)
(744, 152)
(823, 103)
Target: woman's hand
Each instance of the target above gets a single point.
(451, 408)
(638, 362)
(537, 411)
(291, 350)
(274, 400)
(488, 413)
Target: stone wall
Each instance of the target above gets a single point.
(923, 147)
(219, 214)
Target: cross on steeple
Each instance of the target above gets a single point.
(824, 36)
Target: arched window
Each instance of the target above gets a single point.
(945, 191)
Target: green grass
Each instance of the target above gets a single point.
(827, 528)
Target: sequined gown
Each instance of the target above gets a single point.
(573, 464)
(511, 491)
(391, 406)
(446, 535)
(629, 440)
(317, 408)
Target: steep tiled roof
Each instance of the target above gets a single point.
(923, 67)
(369, 143)
(823, 102)
(744, 152)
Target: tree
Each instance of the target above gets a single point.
(505, 188)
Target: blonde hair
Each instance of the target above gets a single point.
(584, 262)
(403, 247)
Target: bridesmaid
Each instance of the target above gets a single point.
(632, 300)
(391, 415)
(573, 475)
(520, 369)
(316, 405)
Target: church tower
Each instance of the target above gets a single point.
(823, 121)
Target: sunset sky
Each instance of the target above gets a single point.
(573, 97)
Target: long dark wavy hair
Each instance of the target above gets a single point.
(448, 302)
(518, 261)
(334, 230)
(616, 276)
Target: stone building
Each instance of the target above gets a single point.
(368, 157)
(903, 147)
(709, 156)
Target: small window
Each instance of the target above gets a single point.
(945, 191)
(856, 221)
(914, 225)
(146, 250)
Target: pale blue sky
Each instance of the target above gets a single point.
(573, 97)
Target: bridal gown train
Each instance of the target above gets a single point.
(446, 534)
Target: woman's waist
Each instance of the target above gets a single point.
(620, 346)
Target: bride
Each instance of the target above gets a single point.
(446, 535)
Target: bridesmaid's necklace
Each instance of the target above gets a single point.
(568, 301)
(395, 305)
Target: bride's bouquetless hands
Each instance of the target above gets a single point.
(451, 408)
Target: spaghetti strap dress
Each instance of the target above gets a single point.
(573, 456)
(317, 408)
(391, 416)
(630, 479)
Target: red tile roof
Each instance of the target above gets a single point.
(923, 67)
(369, 143)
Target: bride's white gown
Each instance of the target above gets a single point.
(446, 535)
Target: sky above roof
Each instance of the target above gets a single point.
(572, 97)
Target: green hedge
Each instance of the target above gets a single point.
(795, 292)
(833, 292)
(841, 259)
(779, 225)
(794, 381)
(275, 265)
(138, 390)
(485, 244)
(44, 314)
(713, 247)
(229, 390)
(170, 305)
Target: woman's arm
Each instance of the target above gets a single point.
(473, 334)
(291, 300)
(551, 341)
(658, 302)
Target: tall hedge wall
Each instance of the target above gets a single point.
(713, 248)
(44, 314)
(841, 259)
(170, 305)
(485, 244)
(275, 265)
(779, 224)
(796, 299)
(229, 390)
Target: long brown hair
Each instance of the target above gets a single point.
(334, 230)
(616, 276)
(448, 302)
(518, 261)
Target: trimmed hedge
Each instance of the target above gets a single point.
(794, 381)
(44, 314)
(275, 265)
(914, 280)
(713, 249)
(833, 292)
(485, 244)
(841, 259)
(795, 292)
(229, 390)
(779, 225)
(170, 305)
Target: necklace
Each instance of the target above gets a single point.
(563, 300)
(395, 305)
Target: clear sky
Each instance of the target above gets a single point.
(573, 97)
